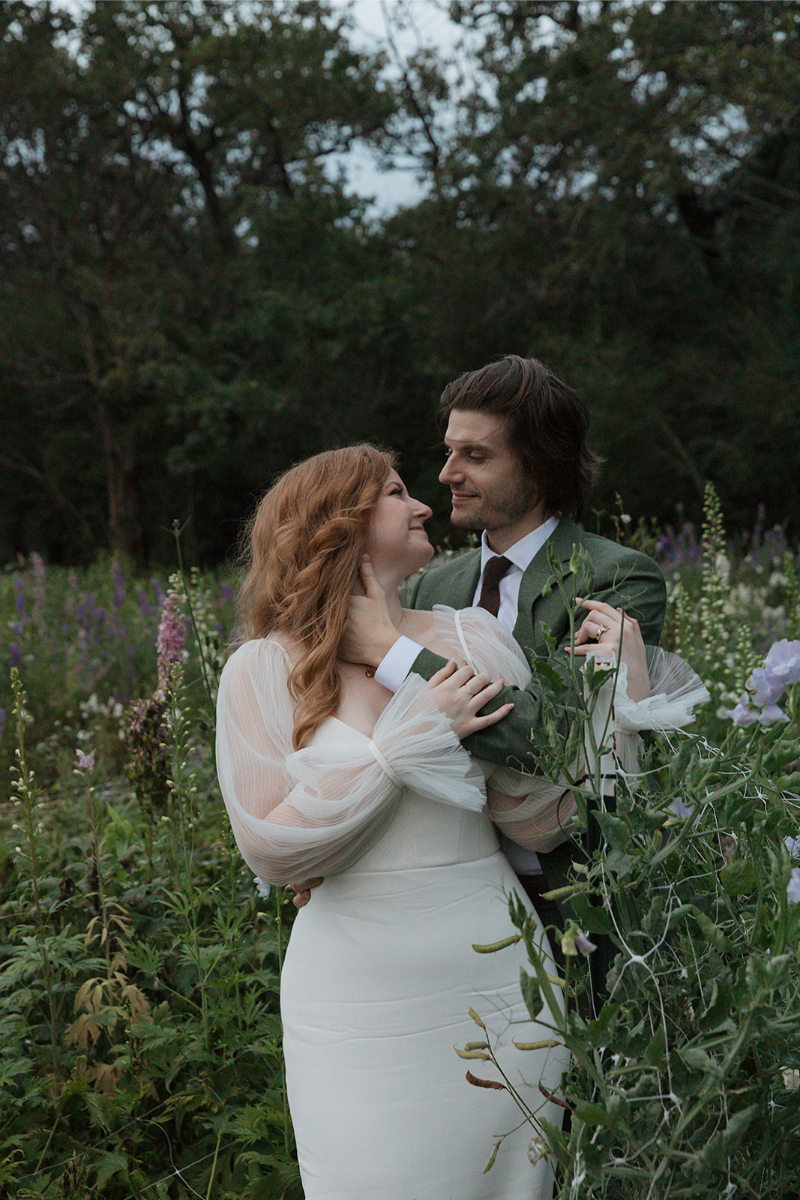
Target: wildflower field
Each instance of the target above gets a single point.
(139, 964)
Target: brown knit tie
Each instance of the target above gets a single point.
(490, 589)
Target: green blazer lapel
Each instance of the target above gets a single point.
(454, 584)
(538, 573)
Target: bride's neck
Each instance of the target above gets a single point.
(390, 586)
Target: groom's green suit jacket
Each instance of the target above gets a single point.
(622, 577)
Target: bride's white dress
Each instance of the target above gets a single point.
(380, 971)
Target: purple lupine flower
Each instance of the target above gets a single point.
(14, 655)
(19, 595)
(3, 719)
(793, 887)
(159, 591)
(171, 640)
(226, 594)
(85, 761)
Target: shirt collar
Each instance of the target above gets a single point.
(523, 552)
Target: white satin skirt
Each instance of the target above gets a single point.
(377, 983)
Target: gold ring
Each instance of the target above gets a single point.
(601, 629)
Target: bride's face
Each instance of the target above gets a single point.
(396, 537)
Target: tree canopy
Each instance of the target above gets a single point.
(191, 299)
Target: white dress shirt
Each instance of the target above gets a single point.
(396, 665)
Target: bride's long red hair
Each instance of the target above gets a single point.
(302, 551)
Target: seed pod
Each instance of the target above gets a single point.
(485, 1083)
(476, 1018)
(501, 945)
(545, 1044)
(553, 1098)
(473, 1054)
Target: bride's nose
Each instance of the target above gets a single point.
(421, 511)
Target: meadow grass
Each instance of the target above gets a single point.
(139, 965)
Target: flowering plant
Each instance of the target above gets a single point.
(680, 964)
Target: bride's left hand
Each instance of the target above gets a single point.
(607, 626)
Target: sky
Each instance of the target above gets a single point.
(432, 27)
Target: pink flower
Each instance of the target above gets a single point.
(171, 640)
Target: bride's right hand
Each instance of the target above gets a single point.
(460, 694)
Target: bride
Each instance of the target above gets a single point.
(324, 772)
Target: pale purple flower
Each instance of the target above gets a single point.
(85, 761)
(768, 687)
(583, 944)
(772, 714)
(793, 887)
(741, 715)
(261, 887)
(680, 809)
(783, 661)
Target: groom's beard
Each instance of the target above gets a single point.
(494, 510)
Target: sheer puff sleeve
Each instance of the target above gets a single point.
(533, 811)
(536, 812)
(296, 814)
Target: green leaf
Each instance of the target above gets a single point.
(619, 863)
(697, 1059)
(615, 831)
(592, 918)
(738, 1125)
(593, 1114)
(655, 1053)
(739, 878)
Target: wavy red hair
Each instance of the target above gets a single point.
(303, 546)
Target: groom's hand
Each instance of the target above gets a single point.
(370, 632)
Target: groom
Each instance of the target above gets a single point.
(517, 468)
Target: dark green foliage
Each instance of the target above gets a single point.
(141, 1042)
(191, 300)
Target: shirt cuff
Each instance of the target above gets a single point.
(396, 665)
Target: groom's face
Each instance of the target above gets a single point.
(489, 486)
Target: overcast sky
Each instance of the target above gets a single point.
(432, 28)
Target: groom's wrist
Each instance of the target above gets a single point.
(396, 664)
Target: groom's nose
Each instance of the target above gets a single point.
(449, 472)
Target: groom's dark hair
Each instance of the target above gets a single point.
(547, 425)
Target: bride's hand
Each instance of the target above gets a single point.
(607, 626)
(370, 632)
(460, 694)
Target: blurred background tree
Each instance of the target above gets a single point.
(191, 299)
